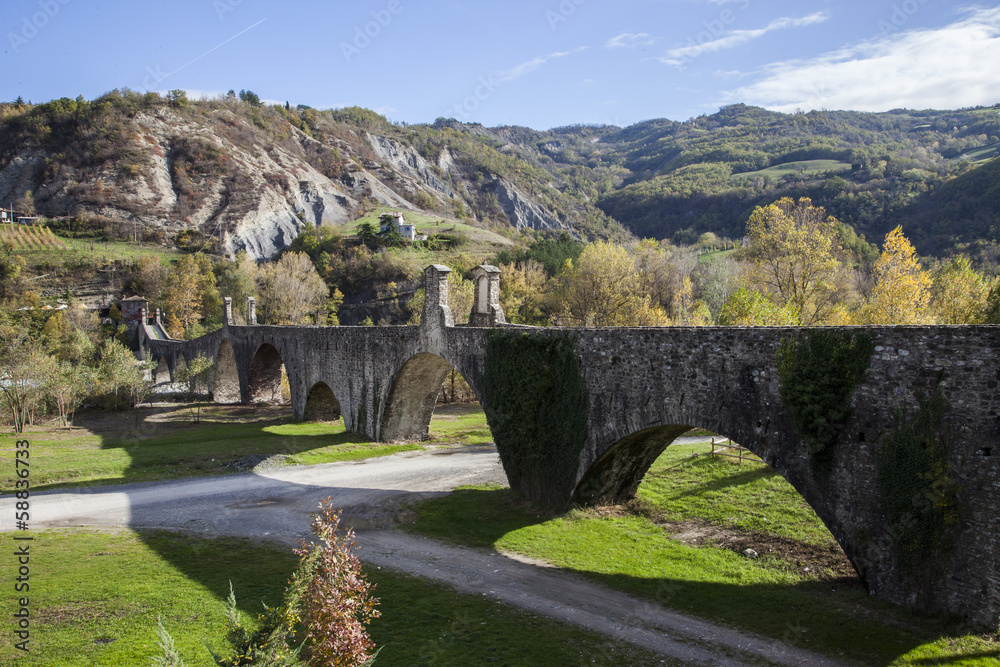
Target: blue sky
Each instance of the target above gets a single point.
(539, 64)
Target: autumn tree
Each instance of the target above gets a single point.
(181, 298)
(664, 270)
(237, 280)
(604, 288)
(522, 292)
(25, 369)
(794, 254)
(901, 293)
(291, 292)
(149, 278)
(715, 281)
(959, 293)
(748, 307)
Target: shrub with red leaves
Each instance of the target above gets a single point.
(334, 599)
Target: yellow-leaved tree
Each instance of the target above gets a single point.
(604, 288)
(794, 255)
(902, 290)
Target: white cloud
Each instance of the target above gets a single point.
(531, 65)
(948, 67)
(678, 56)
(629, 40)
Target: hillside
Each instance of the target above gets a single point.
(870, 170)
(246, 176)
(252, 175)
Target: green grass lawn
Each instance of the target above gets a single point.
(96, 596)
(460, 424)
(97, 250)
(480, 244)
(798, 167)
(680, 543)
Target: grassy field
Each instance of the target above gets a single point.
(681, 541)
(478, 244)
(96, 597)
(165, 442)
(983, 154)
(75, 250)
(796, 168)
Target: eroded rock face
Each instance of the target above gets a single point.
(250, 188)
(521, 210)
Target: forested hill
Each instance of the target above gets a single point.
(667, 179)
(253, 174)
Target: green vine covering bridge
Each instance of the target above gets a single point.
(889, 433)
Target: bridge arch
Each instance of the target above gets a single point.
(266, 370)
(161, 373)
(321, 404)
(615, 475)
(413, 395)
(226, 388)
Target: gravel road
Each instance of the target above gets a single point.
(275, 504)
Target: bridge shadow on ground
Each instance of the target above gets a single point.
(179, 440)
(196, 440)
(828, 613)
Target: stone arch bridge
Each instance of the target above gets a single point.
(640, 388)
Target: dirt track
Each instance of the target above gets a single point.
(276, 504)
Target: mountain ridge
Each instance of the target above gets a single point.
(253, 175)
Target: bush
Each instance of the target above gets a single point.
(327, 605)
(332, 596)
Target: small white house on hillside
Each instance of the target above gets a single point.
(395, 219)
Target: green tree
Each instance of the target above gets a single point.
(25, 370)
(250, 98)
(959, 293)
(120, 374)
(68, 386)
(195, 371)
(748, 307)
(367, 235)
(177, 98)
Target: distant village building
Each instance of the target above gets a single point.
(134, 309)
(27, 220)
(395, 219)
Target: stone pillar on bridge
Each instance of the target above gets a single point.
(251, 310)
(436, 315)
(227, 311)
(486, 309)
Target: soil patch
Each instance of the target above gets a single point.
(824, 562)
